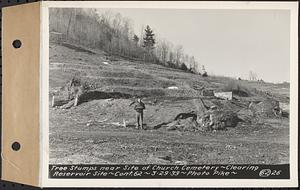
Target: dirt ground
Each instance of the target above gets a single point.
(94, 132)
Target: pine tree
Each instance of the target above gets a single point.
(149, 40)
(183, 67)
(136, 39)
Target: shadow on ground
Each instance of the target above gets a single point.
(97, 95)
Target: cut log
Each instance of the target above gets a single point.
(58, 101)
(68, 105)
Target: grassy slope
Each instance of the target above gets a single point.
(87, 134)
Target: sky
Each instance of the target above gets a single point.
(228, 42)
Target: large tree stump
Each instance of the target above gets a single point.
(266, 108)
(58, 101)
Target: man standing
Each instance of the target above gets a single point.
(139, 107)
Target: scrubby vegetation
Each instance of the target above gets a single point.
(114, 34)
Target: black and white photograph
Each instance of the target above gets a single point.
(175, 87)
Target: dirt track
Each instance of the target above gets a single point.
(90, 132)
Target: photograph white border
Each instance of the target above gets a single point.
(44, 168)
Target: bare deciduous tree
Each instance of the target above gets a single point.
(252, 76)
(114, 34)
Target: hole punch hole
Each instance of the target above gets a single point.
(16, 146)
(17, 44)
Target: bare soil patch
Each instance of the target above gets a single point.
(94, 131)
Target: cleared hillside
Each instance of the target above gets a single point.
(95, 128)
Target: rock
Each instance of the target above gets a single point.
(156, 160)
(107, 155)
(230, 147)
(90, 141)
(168, 158)
(173, 87)
(181, 162)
